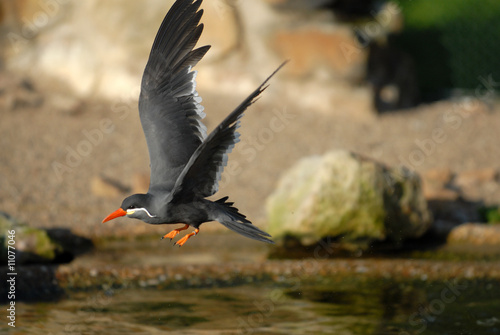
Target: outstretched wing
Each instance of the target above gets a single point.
(169, 105)
(202, 173)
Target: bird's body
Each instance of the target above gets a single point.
(186, 164)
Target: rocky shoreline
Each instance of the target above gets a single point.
(51, 282)
(286, 272)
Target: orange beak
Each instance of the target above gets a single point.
(119, 212)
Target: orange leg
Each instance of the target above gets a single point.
(183, 240)
(175, 232)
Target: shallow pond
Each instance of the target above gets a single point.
(347, 306)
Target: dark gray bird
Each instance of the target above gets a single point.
(186, 164)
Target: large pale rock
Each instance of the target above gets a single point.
(99, 47)
(343, 194)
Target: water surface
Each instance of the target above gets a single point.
(347, 306)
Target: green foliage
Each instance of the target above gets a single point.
(454, 42)
(430, 13)
(490, 214)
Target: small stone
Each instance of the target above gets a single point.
(476, 234)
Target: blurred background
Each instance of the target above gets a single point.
(404, 92)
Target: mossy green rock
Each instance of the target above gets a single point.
(32, 245)
(344, 194)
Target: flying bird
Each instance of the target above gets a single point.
(186, 164)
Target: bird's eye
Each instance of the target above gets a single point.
(130, 207)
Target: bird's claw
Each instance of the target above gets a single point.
(183, 240)
(171, 235)
(174, 232)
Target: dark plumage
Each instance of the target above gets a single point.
(186, 164)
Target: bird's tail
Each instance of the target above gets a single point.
(237, 222)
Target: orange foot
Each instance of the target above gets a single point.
(183, 240)
(175, 232)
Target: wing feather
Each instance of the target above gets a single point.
(169, 105)
(202, 174)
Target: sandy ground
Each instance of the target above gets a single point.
(39, 185)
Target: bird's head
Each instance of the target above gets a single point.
(136, 206)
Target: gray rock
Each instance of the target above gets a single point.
(342, 194)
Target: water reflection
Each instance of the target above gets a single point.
(458, 307)
(353, 306)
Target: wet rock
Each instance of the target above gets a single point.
(476, 234)
(33, 245)
(34, 283)
(344, 194)
(72, 245)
